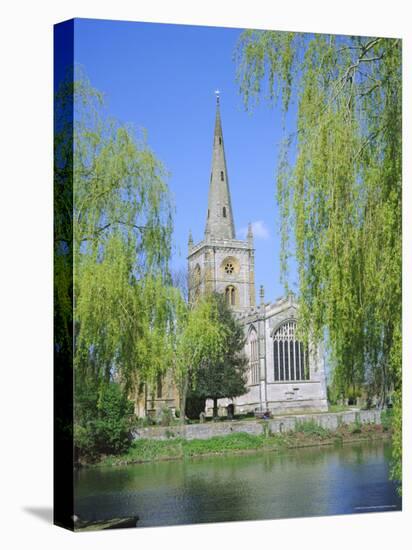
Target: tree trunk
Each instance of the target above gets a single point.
(183, 399)
(215, 413)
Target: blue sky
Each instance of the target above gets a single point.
(162, 78)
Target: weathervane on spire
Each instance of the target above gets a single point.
(217, 94)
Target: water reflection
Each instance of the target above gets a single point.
(300, 482)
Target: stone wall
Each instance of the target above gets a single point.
(279, 424)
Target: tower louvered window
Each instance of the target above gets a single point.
(230, 294)
(290, 357)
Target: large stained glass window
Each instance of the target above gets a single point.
(290, 357)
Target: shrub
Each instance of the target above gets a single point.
(356, 427)
(145, 422)
(267, 432)
(195, 404)
(387, 419)
(165, 416)
(311, 428)
(108, 430)
(332, 395)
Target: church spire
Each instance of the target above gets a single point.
(219, 222)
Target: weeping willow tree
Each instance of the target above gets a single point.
(339, 188)
(114, 220)
(199, 338)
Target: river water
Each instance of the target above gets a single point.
(313, 481)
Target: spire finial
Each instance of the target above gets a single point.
(249, 232)
(262, 295)
(190, 242)
(217, 94)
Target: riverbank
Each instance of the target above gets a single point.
(307, 434)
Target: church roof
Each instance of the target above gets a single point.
(219, 221)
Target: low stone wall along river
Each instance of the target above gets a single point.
(330, 421)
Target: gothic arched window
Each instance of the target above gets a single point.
(290, 357)
(253, 357)
(222, 176)
(230, 294)
(224, 211)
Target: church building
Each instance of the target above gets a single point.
(284, 375)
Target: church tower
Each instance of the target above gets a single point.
(220, 262)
